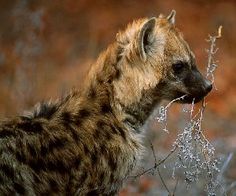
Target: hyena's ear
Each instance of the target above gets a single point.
(146, 37)
(171, 17)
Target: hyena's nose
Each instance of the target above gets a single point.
(208, 85)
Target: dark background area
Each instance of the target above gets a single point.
(46, 47)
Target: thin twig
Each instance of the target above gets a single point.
(162, 180)
(225, 165)
(176, 184)
(156, 164)
(163, 112)
(211, 63)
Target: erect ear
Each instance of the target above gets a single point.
(171, 17)
(145, 37)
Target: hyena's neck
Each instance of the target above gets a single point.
(112, 84)
(136, 114)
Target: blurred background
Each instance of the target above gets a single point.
(46, 48)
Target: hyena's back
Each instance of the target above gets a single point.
(35, 155)
(58, 152)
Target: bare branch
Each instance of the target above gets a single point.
(176, 184)
(211, 64)
(163, 112)
(156, 163)
(162, 181)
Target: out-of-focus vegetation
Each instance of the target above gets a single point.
(46, 47)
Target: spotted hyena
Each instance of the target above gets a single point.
(88, 142)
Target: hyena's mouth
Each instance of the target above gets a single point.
(192, 99)
(196, 97)
(187, 98)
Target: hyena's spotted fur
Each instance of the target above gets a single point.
(90, 141)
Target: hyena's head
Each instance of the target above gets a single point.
(157, 58)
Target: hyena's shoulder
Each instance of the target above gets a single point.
(57, 147)
(36, 152)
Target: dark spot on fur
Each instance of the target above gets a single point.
(66, 117)
(37, 178)
(68, 121)
(109, 80)
(93, 193)
(19, 188)
(77, 162)
(118, 57)
(112, 162)
(74, 133)
(86, 150)
(112, 177)
(92, 93)
(94, 157)
(32, 150)
(135, 144)
(6, 133)
(83, 113)
(30, 127)
(46, 110)
(58, 166)
(57, 143)
(97, 133)
(7, 170)
(102, 176)
(122, 133)
(53, 185)
(114, 130)
(100, 124)
(137, 118)
(37, 165)
(114, 192)
(131, 123)
(103, 130)
(20, 157)
(107, 135)
(117, 74)
(78, 122)
(1, 180)
(100, 80)
(103, 149)
(44, 150)
(106, 108)
(91, 186)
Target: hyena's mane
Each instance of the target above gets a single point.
(49, 109)
(43, 110)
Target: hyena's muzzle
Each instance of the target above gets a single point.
(185, 80)
(196, 85)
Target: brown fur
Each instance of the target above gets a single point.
(90, 141)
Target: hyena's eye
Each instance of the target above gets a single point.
(178, 67)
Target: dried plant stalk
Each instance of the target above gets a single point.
(212, 64)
